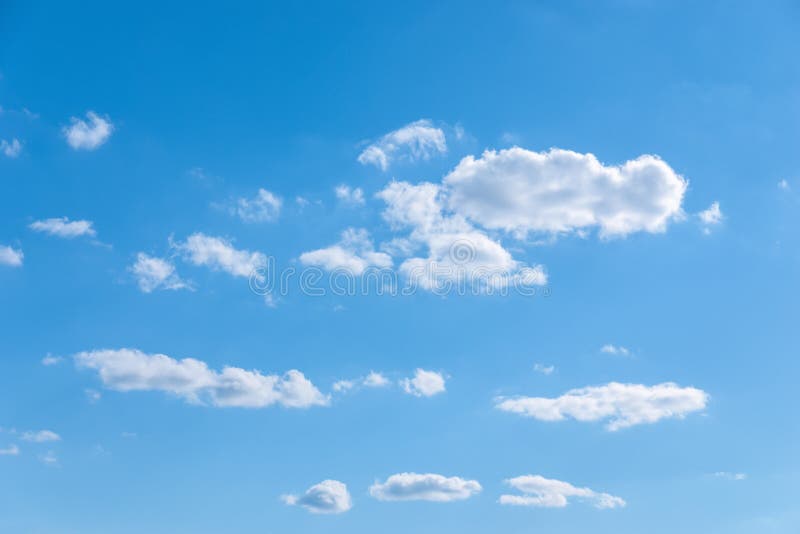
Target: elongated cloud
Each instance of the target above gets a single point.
(156, 273)
(327, 497)
(559, 191)
(40, 436)
(415, 141)
(10, 256)
(622, 405)
(11, 450)
(424, 487)
(63, 227)
(543, 492)
(219, 254)
(353, 253)
(88, 135)
(424, 383)
(192, 380)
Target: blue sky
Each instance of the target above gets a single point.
(626, 172)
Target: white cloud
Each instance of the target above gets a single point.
(93, 396)
(11, 450)
(155, 273)
(458, 254)
(424, 487)
(415, 141)
(10, 256)
(51, 360)
(424, 383)
(559, 191)
(82, 135)
(711, 216)
(353, 253)
(265, 206)
(730, 476)
(49, 458)
(218, 253)
(544, 369)
(623, 405)
(11, 149)
(375, 380)
(40, 436)
(63, 227)
(372, 380)
(348, 195)
(549, 493)
(192, 380)
(614, 349)
(327, 497)
(784, 185)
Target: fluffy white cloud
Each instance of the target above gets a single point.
(412, 142)
(11, 149)
(265, 206)
(218, 253)
(83, 135)
(424, 487)
(192, 380)
(424, 383)
(327, 497)
(10, 256)
(549, 493)
(522, 191)
(347, 195)
(63, 227)
(40, 436)
(614, 349)
(353, 253)
(623, 405)
(458, 254)
(711, 217)
(155, 273)
(11, 450)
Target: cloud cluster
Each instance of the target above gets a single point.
(10, 256)
(353, 196)
(354, 253)
(372, 380)
(543, 492)
(623, 405)
(561, 191)
(424, 487)
(192, 380)
(415, 141)
(327, 497)
(424, 383)
(458, 253)
(63, 227)
(83, 135)
(264, 207)
(156, 273)
(615, 349)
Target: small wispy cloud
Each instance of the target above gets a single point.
(40, 436)
(10, 256)
(50, 360)
(727, 475)
(351, 196)
(11, 450)
(156, 273)
(265, 206)
(419, 140)
(615, 349)
(712, 216)
(424, 383)
(544, 369)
